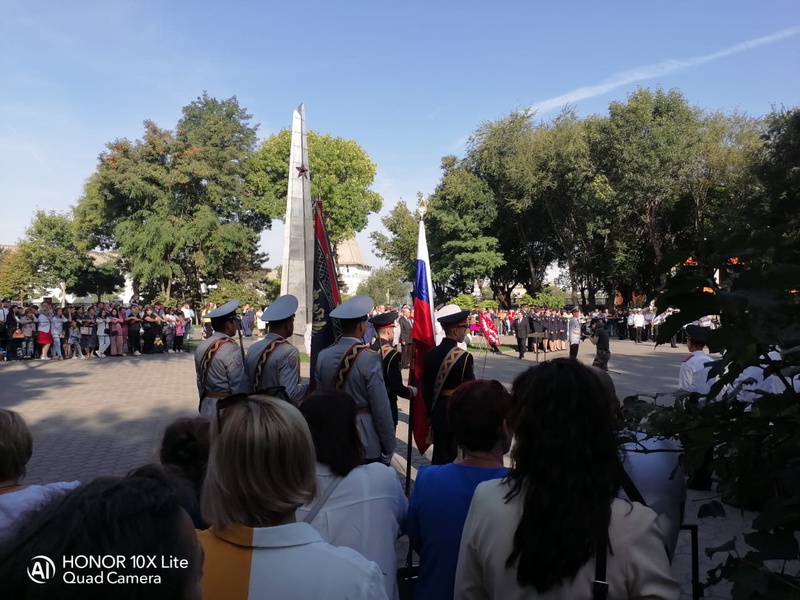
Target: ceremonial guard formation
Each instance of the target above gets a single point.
(392, 360)
(353, 367)
(445, 368)
(274, 362)
(219, 360)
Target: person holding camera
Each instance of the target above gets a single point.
(600, 339)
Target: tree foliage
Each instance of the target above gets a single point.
(617, 200)
(341, 174)
(177, 205)
(97, 280)
(17, 275)
(399, 247)
(52, 250)
(385, 286)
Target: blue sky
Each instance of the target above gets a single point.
(409, 81)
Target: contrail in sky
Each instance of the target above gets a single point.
(28, 146)
(657, 70)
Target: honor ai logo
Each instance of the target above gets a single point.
(42, 569)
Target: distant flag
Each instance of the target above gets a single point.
(423, 336)
(325, 292)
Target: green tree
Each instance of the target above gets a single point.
(226, 290)
(178, 206)
(385, 286)
(462, 214)
(549, 297)
(776, 166)
(464, 301)
(497, 155)
(647, 147)
(341, 174)
(97, 280)
(398, 246)
(51, 248)
(17, 275)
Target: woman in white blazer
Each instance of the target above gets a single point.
(537, 532)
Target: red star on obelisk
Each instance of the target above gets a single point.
(302, 171)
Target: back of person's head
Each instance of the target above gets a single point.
(566, 468)
(331, 417)
(261, 466)
(113, 519)
(477, 413)
(16, 445)
(185, 445)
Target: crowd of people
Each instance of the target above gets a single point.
(49, 332)
(269, 499)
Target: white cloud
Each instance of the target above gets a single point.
(657, 70)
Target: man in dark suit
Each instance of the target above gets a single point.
(445, 367)
(406, 327)
(521, 328)
(384, 327)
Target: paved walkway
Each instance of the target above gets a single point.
(105, 417)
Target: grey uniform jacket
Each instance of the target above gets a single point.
(282, 368)
(574, 331)
(365, 384)
(226, 374)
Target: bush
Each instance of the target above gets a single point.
(464, 301)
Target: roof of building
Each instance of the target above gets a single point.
(349, 253)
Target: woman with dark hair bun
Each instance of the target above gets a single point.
(477, 413)
(185, 447)
(366, 507)
(537, 533)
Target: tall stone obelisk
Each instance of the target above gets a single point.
(297, 274)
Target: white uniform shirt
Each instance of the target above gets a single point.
(365, 512)
(638, 320)
(693, 376)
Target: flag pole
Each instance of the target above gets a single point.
(412, 380)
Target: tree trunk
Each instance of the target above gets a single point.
(169, 290)
(573, 282)
(592, 294)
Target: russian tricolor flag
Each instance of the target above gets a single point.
(423, 336)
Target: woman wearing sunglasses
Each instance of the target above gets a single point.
(261, 469)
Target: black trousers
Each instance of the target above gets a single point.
(521, 345)
(405, 356)
(134, 340)
(445, 448)
(573, 350)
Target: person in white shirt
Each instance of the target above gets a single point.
(693, 376)
(43, 337)
(56, 330)
(103, 339)
(638, 325)
(574, 333)
(366, 507)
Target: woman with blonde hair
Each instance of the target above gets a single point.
(261, 469)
